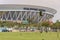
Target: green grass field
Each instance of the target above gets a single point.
(28, 36)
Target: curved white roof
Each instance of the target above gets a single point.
(55, 4)
(18, 7)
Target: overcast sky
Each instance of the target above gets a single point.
(47, 3)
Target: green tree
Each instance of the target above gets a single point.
(57, 25)
(45, 25)
(40, 13)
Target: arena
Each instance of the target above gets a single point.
(19, 13)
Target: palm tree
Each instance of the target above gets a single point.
(40, 13)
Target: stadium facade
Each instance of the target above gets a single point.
(19, 13)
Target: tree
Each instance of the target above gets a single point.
(45, 25)
(57, 24)
(40, 13)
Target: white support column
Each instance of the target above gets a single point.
(7, 16)
(43, 18)
(38, 17)
(19, 14)
(2, 17)
(28, 12)
(35, 16)
(15, 14)
(10, 16)
(24, 14)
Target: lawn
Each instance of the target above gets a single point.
(28, 36)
